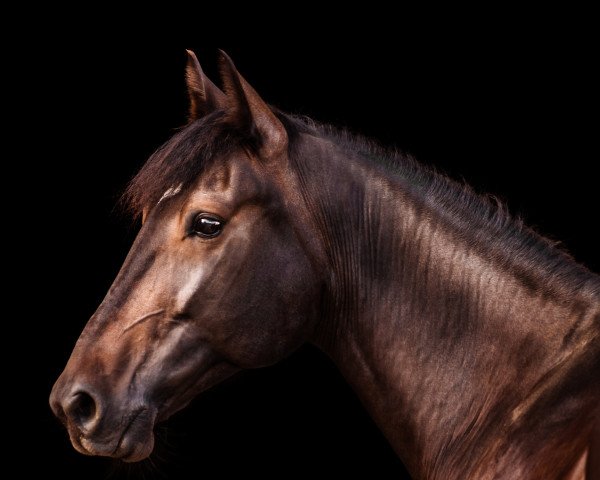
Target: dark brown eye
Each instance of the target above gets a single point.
(207, 225)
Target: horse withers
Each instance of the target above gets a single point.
(473, 341)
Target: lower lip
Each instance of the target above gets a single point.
(129, 456)
(120, 442)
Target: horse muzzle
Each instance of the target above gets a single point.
(97, 426)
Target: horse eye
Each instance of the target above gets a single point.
(207, 225)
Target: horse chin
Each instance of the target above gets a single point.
(213, 373)
(172, 407)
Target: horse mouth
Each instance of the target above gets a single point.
(132, 446)
(135, 442)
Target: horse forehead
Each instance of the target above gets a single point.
(237, 176)
(218, 177)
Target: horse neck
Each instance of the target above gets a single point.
(452, 354)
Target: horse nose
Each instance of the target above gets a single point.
(79, 408)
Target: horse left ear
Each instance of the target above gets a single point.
(205, 96)
(247, 110)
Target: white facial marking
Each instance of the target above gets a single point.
(170, 192)
(190, 287)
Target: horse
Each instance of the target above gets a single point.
(473, 341)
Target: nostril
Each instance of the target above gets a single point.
(81, 409)
(85, 406)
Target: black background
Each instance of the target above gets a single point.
(512, 110)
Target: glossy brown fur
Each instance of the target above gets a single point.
(473, 342)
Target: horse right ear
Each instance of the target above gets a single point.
(205, 96)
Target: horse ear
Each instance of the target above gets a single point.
(247, 110)
(205, 96)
